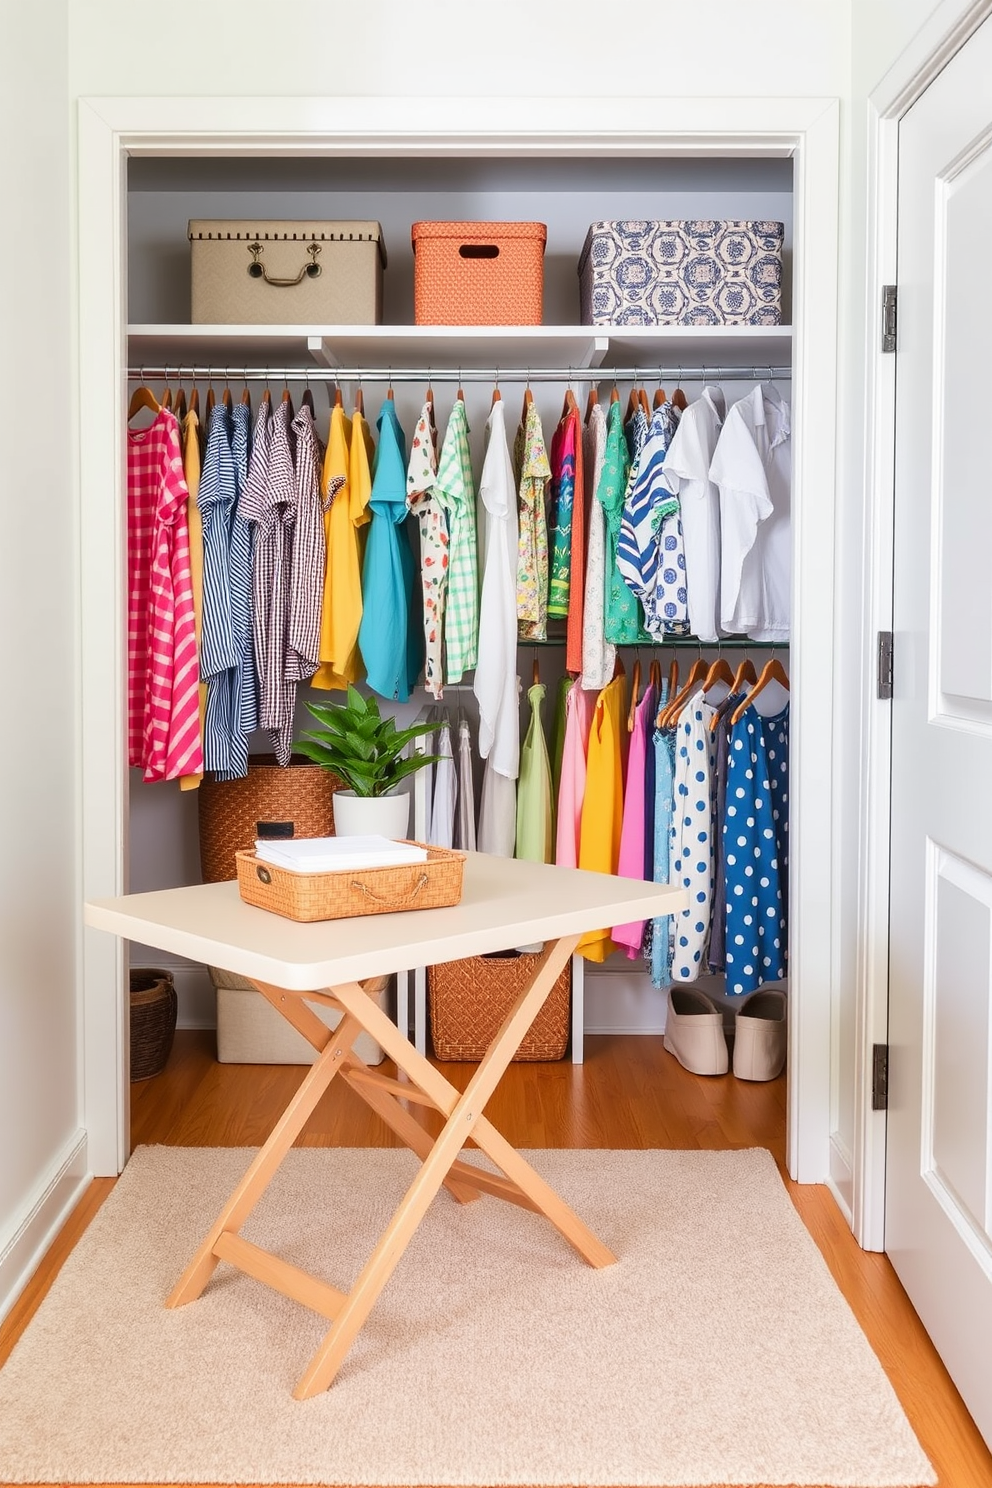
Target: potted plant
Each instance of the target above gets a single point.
(366, 751)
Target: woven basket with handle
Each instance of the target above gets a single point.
(294, 800)
(478, 273)
(468, 1001)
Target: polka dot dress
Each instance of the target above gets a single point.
(756, 850)
(692, 838)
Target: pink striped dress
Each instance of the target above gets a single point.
(163, 675)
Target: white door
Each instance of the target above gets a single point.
(938, 1213)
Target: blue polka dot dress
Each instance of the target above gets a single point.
(756, 851)
(692, 838)
(660, 949)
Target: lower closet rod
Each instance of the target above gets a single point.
(456, 375)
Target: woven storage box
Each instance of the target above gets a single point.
(294, 800)
(154, 1006)
(286, 273)
(478, 273)
(340, 895)
(692, 272)
(468, 1001)
(250, 1031)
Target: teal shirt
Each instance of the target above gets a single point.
(390, 644)
(623, 622)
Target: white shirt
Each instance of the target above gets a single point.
(495, 683)
(498, 813)
(687, 475)
(752, 466)
(442, 832)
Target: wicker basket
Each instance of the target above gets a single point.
(337, 896)
(153, 1020)
(295, 800)
(468, 1001)
(478, 273)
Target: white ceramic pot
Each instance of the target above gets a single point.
(384, 816)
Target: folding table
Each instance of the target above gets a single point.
(504, 903)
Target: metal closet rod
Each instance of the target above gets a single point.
(459, 375)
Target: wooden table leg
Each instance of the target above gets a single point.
(463, 1117)
(266, 1161)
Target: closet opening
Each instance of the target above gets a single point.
(164, 340)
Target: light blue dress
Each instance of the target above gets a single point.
(387, 640)
(755, 840)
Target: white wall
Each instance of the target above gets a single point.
(38, 754)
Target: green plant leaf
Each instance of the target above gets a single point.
(361, 705)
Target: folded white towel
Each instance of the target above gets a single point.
(337, 854)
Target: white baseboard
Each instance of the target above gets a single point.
(840, 1179)
(32, 1230)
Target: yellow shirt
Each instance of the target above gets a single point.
(346, 468)
(192, 461)
(602, 804)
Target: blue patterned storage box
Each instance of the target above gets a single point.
(693, 272)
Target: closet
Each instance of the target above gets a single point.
(164, 193)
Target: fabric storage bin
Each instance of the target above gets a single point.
(250, 1031)
(478, 273)
(692, 272)
(286, 273)
(294, 800)
(469, 999)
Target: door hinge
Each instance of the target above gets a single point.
(884, 671)
(880, 1077)
(889, 316)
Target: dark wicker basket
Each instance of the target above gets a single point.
(294, 800)
(468, 1001)
(153, 1020)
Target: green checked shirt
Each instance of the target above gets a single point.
(455, 492)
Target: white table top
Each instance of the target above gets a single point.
(505, 902)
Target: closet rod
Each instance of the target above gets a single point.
(464, 374)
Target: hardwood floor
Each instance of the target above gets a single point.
(629, 1093)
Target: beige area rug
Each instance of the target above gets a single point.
(718, 1349)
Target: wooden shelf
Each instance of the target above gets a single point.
(397, 347)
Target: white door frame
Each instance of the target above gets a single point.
(110, 129)
(946, 30)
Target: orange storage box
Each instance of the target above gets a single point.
(478, 273)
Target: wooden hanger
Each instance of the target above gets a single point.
(308, 402)
(267, 397)
(655, 675)
(673, 678)
(497, 398)
(338, 400)
(228, 400)
(194, 399)
(429, 399)
(591, 401)
(633, 403)
(635, 687)
(569, 405)
(166, 398)
(142, 397)
(679, 399)
(536, 673)
(772, 671)
(528, 400)
(211, 400)
(746, 672)
(615, 395)
(180, 408)
(659, 398)
(697, 673)
(360, 402)
(642, 399)
(720, 671)
(246, 396)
